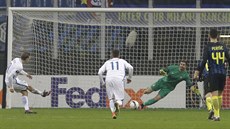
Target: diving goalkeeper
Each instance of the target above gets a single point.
(173, 75)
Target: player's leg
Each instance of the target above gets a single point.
(208, 94)
(221, 84)
(110, 94)
(112, 108)
(36, 91)
(221, 89)
(209, 105)
(216, 105)
(25, 100)
(21, 86)
(153, 87)
(148, 90)
(161, 94)
(119, 94)
(217, 86)
(208, 98)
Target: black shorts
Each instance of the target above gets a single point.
(217, 82)
(206, 85)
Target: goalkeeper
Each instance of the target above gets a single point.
(173, 75)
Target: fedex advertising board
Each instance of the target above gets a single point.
(86, 92)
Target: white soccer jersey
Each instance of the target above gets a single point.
(115, 74)
(13, 70)
(115, 68)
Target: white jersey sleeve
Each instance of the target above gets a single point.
(129, 67)
(100, 73)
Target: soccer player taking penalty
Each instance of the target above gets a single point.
(15, 84)
(115, 80)
(173, 75)
(216, 53)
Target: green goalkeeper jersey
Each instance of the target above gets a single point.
(174, 76)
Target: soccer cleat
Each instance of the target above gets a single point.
(114, 116)
(211, 114)
(216, 118)
(46, 93)
(117, 108)
(30, 112)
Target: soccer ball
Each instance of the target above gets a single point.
(133, 104)
(131, 39)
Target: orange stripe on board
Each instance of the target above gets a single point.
(0, 97)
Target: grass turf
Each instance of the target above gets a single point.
(101, 119)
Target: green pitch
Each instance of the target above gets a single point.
(101, 119)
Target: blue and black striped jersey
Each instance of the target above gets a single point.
(216, 54)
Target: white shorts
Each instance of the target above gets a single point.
(115, 88)
(19, 85)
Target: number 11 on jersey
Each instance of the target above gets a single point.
(115, 64)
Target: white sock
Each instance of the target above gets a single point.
(25, 102)
(119, 102)
(36, 91)
(111, 105)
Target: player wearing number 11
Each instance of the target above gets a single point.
(115, 76)
(216, 53)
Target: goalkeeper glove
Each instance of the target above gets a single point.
(195, 89)
(162, 72)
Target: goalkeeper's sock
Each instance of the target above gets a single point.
(209, 103)
(25, 102)
(220, 101)
(150, 102)
(112, 105)
(216, 107)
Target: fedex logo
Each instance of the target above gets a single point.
(84, 97)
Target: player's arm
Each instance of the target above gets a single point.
(188, 81)
(100, 74)
(26, 74)
(202, 65)
(164, 71)
(190, 84)
(227, 55)
(193, 87)
(129, 67)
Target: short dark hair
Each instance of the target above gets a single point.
(115, 53)
(185, 61)
(213, 33)
(25, 55)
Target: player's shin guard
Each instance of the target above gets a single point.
(209, 103)
(150, 102)
(220, 101)
(216, 107)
